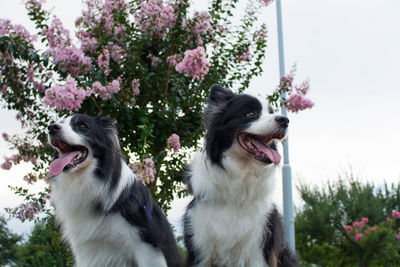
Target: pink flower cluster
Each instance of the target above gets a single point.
(15, 31)
(154, 59)
(105, 91)
(174, 60)
(66, 55)
(358, 229)
(135, 86)
(396, 214)
(173, 142)
(245, 56)
(26, 211)
(297, 100)
(104, 59)
(194, 63)
(267, 2)
(155, 18)
(145, 171)
(72, 59)
(199, 27)
(68, 96)
(15, 159)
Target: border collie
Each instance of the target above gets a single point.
(232, 220)
(108, 217)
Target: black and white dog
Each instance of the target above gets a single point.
(108, 217)
(232, 220)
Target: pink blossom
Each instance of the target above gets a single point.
(297, 102)
(39, 87)
(366, 231)
(117, 53)
(105, 91)
(362, 224)
(154, 59)
(398, 236)
(5, 136)
(114, 86)
(26, 211)
(155, 18)
(356, 224)
(145, 171)
(396, 214)
(348, 228)
(72, 59)
(173, 142)
(6, 165)
(388, 219)
(68, 96)
(286, 82)
(65, 53)
(16, 31)
(135, 86)
(199, 27)
(373, 229)
(359, 236)
(34, 161)
(365, 220)
(245, 56)
(267, 2)
(174, 60)
(194, 63)
(56, 34)
(104, 59)
(303, 87)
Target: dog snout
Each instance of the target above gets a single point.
(282, 121)
(54, 128)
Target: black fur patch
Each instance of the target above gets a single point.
(193, 256)
(226, 116)
(137, 206)
(275, 251)
(101, 135)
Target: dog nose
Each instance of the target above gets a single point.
(54, 128)
(282, 120)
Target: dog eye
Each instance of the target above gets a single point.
(251, 115)
(82, 126)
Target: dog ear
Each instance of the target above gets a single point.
(108, 123)
(219, 96)
(110, 126)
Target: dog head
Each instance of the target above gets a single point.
(80, 141)
(242, 126)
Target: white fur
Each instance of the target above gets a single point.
(97, 239)
(233, 203)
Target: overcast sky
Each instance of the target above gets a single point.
(348, 49)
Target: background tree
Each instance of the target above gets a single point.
(44, 247)
(8, 244)
(147, 64)
(349, 223)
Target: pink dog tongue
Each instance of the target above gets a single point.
(58, 165)
(273, 155)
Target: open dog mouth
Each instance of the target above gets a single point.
(70, 156)
(262, 148)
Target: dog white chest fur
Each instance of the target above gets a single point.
(236, 199)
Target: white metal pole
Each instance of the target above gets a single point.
(286, 171)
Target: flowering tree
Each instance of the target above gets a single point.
(371, 244)
(147, 64)
(347, 224)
